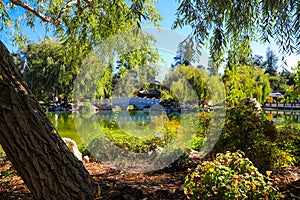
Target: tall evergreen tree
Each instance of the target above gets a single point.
(271, 62)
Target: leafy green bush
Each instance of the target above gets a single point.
(197, 142)
(269, 155)
(201, 124)
(289, 142)
(229, 176)
(253, 134)
(133, 143)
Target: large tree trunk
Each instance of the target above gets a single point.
(32, 144)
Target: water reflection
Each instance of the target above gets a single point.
(284, 117)
(129, 140)
(138, 141)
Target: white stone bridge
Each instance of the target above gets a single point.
(138, 103)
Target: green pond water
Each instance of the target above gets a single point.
(126, 139)
(84, 128)
(284, 118)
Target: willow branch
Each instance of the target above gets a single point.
(64, 8)
(55, 21)
(89, 3)
(35, 12)
(41, 15)
(79, 5)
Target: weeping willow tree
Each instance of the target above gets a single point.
(187, 84)
(119, 66)
(49, 70)
(293, 91)
(230, 24)
(27, 136)
(246, 82)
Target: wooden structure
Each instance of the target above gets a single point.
(285, 106)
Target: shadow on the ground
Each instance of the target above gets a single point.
(164, 184)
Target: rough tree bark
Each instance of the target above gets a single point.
(32, 144)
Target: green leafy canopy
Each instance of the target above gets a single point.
(81, 22)
(233, 24)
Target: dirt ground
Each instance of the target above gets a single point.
(165, 184)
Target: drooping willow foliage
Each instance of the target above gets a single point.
(232, 24)
(81, 23)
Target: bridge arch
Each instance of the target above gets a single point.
(136, 102)
(147, 108)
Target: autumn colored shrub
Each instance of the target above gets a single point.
(255, 135)
(229, 176)
(243, 124)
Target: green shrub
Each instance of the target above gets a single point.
(229, 176)
(269, 155)
(289, 141)
(201, 124)
(197, 142)
(253, 134)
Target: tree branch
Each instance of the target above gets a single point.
(55, 21)
(35, 12)
(69, 4)
(88, 3)
(79, 5)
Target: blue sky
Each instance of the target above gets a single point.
(168, 9)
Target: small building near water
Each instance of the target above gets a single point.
(273, 97)
(150, 93)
